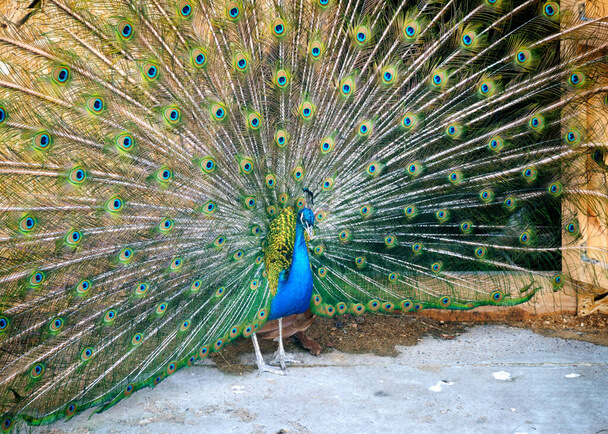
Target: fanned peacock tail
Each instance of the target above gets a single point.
(147, 145)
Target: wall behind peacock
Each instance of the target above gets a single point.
(591, 267)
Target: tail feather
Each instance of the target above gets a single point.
(145, 146)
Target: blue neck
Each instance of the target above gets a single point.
(293, 295)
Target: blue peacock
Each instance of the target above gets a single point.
(176, 173)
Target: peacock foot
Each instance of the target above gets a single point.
(263, 367)
(282, 358)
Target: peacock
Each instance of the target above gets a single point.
(176, 173)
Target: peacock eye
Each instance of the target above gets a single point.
(150, 71)
(411, 31)
(36, 279)
(233, 10)
(61, 74)
(551, 10)
(362, 35)
(56, 325)
(125, 142)
(327, 145)
(298, 173)
(42, 141)
(114, 205)
(241, 62)
(95, 105)
(199, 58)
(27, 223)
(184, 8)
(278, 28)
(172, 115)
(125, 30)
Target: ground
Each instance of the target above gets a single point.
(379, 334)
(408, 375)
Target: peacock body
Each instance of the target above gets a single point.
(286, 258)
(155, 157)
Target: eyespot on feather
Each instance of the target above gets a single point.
(362, 35)
(198, 57)
(208, 165)
(95, 105)
(280, 138)
(27, 223)
(83, 287)
(184, 9)
(114, 205)
(125, 142)
(150, 71)
(42, 141)
(281, 79)
(61, 74)
(241, 63)
(279, 28)
(125, 30)
(316, 50)
(233, 11)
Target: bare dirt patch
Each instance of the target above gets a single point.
(379, 334)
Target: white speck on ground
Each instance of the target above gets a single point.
(502, 375)
(364, 393)
(573, 375)
(438, 387)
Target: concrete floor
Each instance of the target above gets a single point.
(491, 379)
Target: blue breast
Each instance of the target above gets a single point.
(294, 293)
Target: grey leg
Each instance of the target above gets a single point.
(262, 366)
(281, 357)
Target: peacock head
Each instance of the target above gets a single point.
(307, 219)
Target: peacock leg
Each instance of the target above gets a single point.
(281, 357)
(259, 360)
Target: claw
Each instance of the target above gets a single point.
(265, 368)
(281, 358)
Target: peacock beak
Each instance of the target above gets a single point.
(310, 231)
